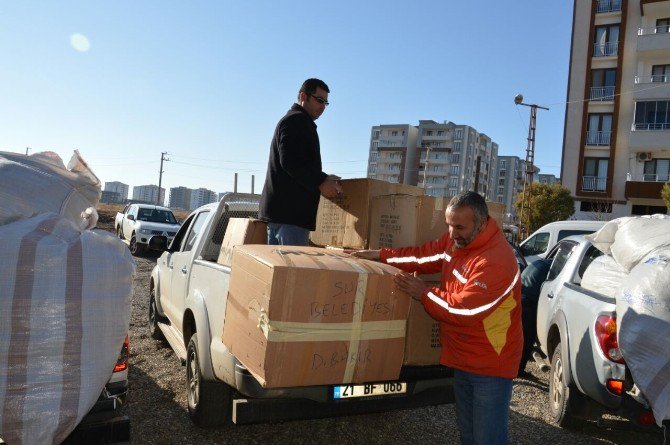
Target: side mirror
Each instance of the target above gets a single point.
(131, 217)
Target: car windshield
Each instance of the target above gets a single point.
(157, 216)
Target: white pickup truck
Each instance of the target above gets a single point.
(577, 332)
(142, 223)
(188, 291)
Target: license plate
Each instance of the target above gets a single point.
(369, 390)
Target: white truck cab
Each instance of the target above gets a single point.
(540, 242)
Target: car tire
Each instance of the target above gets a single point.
(119, 232)
(560, 393)
(209, 403)
(136, 248)
(154, 317)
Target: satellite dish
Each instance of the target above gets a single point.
(518, 99)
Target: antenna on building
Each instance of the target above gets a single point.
(527, 199)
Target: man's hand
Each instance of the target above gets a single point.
(364, 254)
(409, 283)
(331, 188)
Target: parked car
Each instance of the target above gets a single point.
(143, 224)
(540, 242)
(577, 332)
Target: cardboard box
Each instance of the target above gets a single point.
(404, 220)
(422, 345)
(496, 211)
(344, 222)
(300, 316)
(241, 231)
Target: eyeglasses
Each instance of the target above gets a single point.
(320, 100)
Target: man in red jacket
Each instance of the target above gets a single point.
(478, 305)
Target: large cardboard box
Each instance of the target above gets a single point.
(345, 221)
(422, 345)
(238, 232)
(405, 220)
(300, 316)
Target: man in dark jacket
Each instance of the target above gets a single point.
(295, 179)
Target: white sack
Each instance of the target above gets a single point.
(65, 299)
(604, 276)
(643, 313)
(631, 238)
(40, 183)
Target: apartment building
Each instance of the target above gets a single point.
(180, 198)
(444, 158)
(148, 194)
(509, 182)
(200, 197)
(547, 178)
(616, 147)
(118, 188)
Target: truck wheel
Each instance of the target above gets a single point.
(135, 248)
(560, 393)
(209, 403)
(154, 330)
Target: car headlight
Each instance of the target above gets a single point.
(145, 231)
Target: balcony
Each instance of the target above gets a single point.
(594, 184)
(602, 94)
(598, 137)
(608, 49)
(653, 41)
(644, 186)
(605, 6)
(651, 87)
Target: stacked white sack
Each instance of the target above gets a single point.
(632, 238)
(604, 276)
(40, 183)
(64, 313)
(643, 312)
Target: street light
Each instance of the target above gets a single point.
(527, 198)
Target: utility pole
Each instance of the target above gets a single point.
(27, 148)
(160, 178)
(526, 202)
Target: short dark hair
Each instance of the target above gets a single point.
(473, 200)
(310, 85)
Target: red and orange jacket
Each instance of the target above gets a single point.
(478, 302)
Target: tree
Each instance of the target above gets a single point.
(550, 202)
(665, 194)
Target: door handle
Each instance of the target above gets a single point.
(550, 295)
(184, 270)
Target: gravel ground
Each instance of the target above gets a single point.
(157, 407)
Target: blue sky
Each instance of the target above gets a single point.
(206, 81)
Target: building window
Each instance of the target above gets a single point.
(376, 134)
(600, 129)
(454, 169)
(602, 84)
(606, 41)
(598, 207)
(648, 210)
(657, 170)
(502, 173)
(660, 73)
(501, 190)
(652, 115)
(455, 158)
(440, 133)
(595, 174)
(457, 147)
(663, 25)
(503, 164)
(458, 134)
(501, 181)
(608, 6)
(429, 132)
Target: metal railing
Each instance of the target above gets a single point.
(608, 6)
(648, 177)
(605, 49)
(594, 184)
(654, 78)
(598, 137)
(602, 93)
(651, 127)
(662, 29)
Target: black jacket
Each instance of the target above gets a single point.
(291, 190)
